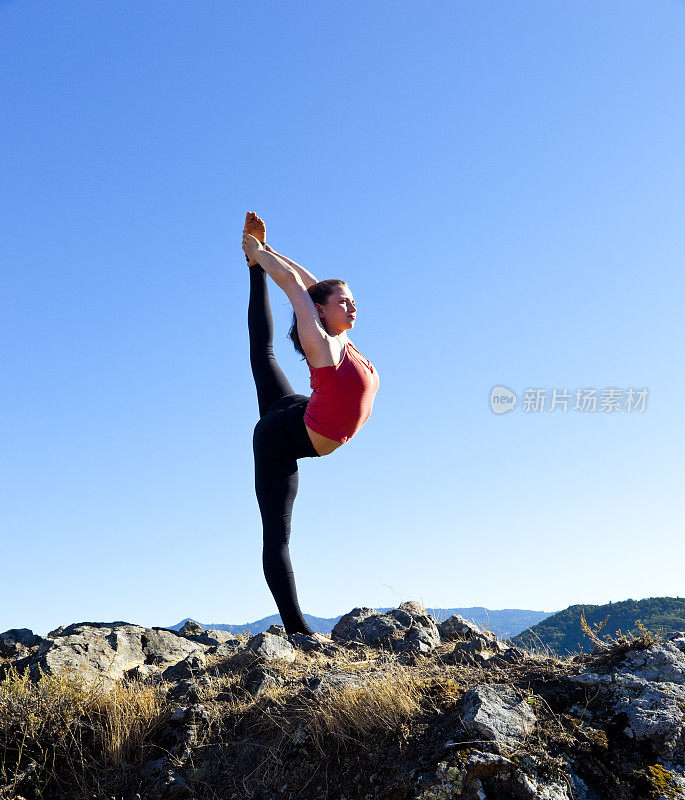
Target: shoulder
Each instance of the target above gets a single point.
(328, 352)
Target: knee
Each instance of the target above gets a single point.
(274, 543)
(269, 439)
(261, 435)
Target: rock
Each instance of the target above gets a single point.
(462, 778)
(645, 693)
(192, 665)
(187, 691)
(664, 663)
(349, 627)
(487, 765)
(309, 643)
(77, 627)
(486, 776)
(590, 679)
(406, 629)
(510, 654)
(263, 648)
(218, 637)
(227, 649)
(677, 638)
(581, 789)
(192, 628)
(17, 642)
(162, 646)
(469, 652)
(672, 774)
(271, 647)
(480, 650)
(494, 712)
(186, 729)
(414, 646)
(530, 789)
(654, 713)
(475, 645)
(304, 642)
(457, 627)
(146, 673)
(421, 637)
(106, 651)
(196, 633)
(94, 650)
(164, 782)
(258, 680)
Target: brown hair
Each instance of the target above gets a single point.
(319, 292)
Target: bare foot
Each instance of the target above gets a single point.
(255, 227)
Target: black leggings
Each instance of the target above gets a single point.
(280, 438)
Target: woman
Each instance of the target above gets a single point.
(293, 426)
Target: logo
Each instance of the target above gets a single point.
(502, 400)
(609, 400)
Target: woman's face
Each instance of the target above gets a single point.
(339, 312)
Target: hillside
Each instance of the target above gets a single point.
(562, 633)
(410, 709)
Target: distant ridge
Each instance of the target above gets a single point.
(562, 633)
(505, 622)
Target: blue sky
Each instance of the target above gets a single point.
(501, 184)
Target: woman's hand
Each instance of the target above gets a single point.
(251, 246)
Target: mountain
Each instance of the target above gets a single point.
(562, 633)
(505, 622)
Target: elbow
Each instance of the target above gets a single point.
(291, 278)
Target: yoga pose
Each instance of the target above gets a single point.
(292, 426)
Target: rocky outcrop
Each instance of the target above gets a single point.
(406, 629)
(18, 642)
(474, 645)
(106, 651)
(495, 723)
(456, 627)
(644, 694)
(196, 633)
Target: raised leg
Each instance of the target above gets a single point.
(269, 378)
(255, 227)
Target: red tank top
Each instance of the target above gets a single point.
(342, 396)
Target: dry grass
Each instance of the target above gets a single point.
(62, 724)
(125, 718)
(383, 702)
(86, 737)
(287, 721)
(645, 638)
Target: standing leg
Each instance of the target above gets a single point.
(276, 482)
(269, 378)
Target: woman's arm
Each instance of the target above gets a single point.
(273, 265)
(315, 341)
(307, 278)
